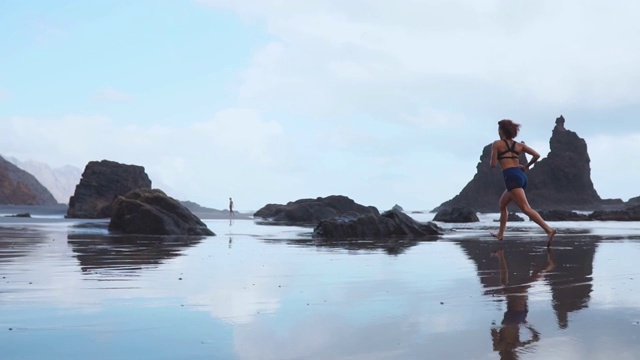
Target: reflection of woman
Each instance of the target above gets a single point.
(506, 339)
(507, 152)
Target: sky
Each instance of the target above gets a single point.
(270, 101)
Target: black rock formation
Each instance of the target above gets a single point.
(18, 187)
(628, 214)
(152, 212)
(457, 215)
(392, 223)
(562, 215)
(512, 217)
(103, 181)
(312, 211)
(562, 180)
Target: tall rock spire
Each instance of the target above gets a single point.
(562, 180)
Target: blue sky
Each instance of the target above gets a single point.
(269, 101)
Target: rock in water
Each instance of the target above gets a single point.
(391, 223)
(311, 211)
(152, 212)
(457, 215)
(103, 181)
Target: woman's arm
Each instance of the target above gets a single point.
(534, 156)
(494, 155)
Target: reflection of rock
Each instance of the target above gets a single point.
(456, 215)
(392, 246)
(126, 253)
(562, 180)
(103, 181)
(18, 242)
(152, 212)
(391, 223)
(570, 280)
(312, 211)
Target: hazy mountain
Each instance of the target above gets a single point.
(61, 181)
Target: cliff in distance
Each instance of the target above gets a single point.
(562, 180)
(60, 181)
(18, 187)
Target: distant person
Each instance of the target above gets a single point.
(506, 151)
(506, 338)
(231, 212)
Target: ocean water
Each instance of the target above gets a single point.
(68, 290)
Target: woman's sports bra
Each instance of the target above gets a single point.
(510, 149)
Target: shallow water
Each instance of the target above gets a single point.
(69, 291)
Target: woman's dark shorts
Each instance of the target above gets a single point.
(514, 178)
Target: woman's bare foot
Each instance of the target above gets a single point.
(496, 236)
(550, 237)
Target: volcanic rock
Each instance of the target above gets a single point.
(562, 215)
(391, 223)
(103, 181)
(563, 179)
(457, 215)
(152, 212)
(312, 211)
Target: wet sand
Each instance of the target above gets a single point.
(68, 290)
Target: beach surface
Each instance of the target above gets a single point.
(69, 290)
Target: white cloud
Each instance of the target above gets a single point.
(205, 161)
(332, 56)
(112, 95)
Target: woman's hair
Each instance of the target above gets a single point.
(509, 128)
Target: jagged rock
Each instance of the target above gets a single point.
(103, 181)
(633, 201)
(152, 212)
(456, 215)
(562, 215)
(630, 214)
(18, 187)
(512, 217)
(21, 215)
(397, 207)
(311, 211)
(390, 224)
(562, 180)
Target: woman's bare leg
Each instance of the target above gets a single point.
(505, 199)
(520, 198)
